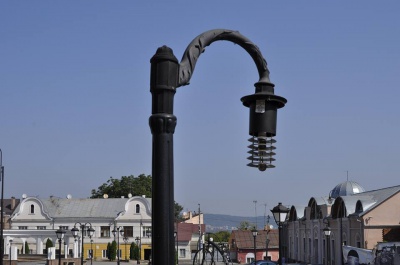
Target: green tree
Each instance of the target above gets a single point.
(115, 188)
(113, 250)
(221, 236)
(245, 225)
(49, 244)
(137, 186)
(27, 251)
(109, 251)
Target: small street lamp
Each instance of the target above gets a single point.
(116, 232)
(126, 252)
(255, 233)
(137, 239)
(2, 207)
(60, 235)
(85, 229)
(327, 232)
(280, 213)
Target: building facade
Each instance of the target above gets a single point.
(355, 217)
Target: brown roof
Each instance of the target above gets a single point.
(244, 239)
(8, 205)
(185, 231)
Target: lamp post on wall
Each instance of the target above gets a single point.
(60, 235)
(166, 76)
(254, 232)
(116, 232)
(327, 233)
(280, 212)
(86, 228)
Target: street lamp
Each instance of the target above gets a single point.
(85, 228)
(116, 232)
(254, 232)
(60, 235)
(327, 232)
(280, 212)
(137, 239)
(167, 74)
(126, 252)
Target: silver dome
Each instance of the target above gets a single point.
(345, 189)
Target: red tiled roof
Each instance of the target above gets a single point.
(185, 231)
(244, 239)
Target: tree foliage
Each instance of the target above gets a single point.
(116, 188)
(27, 250)
(245, 225)
(221, 236)
(113, 250)
(136, 186)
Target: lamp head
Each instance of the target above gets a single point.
(263, 106)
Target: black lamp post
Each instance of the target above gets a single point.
(60, 235)
(116, 232)
(126, 240)
(167, 74)
(280, 212)
(137, 239)
(91, 251)
(327, 232)
(254, 232)
(85, 228)
(2, 208)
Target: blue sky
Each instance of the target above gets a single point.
(75, 98)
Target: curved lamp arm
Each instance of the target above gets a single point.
(197, 47)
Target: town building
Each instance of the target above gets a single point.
(34, 221)
(243, 247)
(355, 217)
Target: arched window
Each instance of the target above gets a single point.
(32, 209)
(137, 208)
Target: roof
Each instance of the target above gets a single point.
(186, 230)
(244, 239)
(83, 208)
(8, 209)
(346, 188)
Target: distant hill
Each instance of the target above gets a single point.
(218, 222)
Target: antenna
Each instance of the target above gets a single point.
(255, 212)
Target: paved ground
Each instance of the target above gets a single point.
(100, 263)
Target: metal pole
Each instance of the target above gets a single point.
(280, 244)
(91, 252)
(118, 245)
(2, 208)
(59, 252)
(82, 247)
(328, 245)
(255, 251)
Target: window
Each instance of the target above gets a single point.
(104, 253)
(32, 209)
(22, 227)
(146, 232)
(65, 228)
(104, 232)
(182, 253)
(137, 208)
(128, 231)
(41, 228)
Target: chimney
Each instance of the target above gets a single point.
(12, 203)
